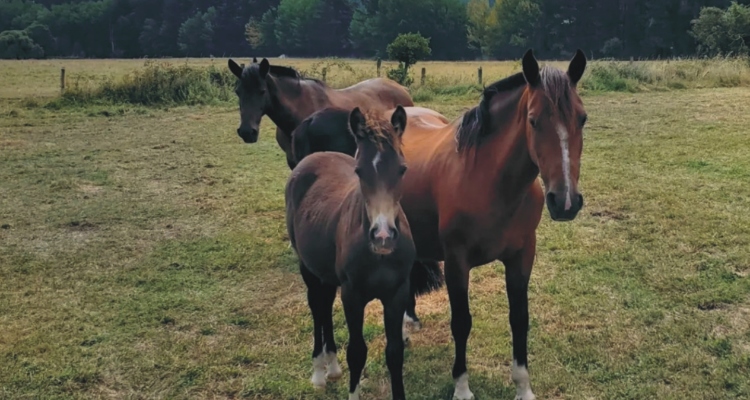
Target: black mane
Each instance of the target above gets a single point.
(278, 70)
(476, 121)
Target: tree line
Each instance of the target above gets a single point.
(456, 29)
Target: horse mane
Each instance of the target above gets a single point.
(381, 130)
(475, 123)
(280, 71)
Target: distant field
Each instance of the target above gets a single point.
(41, 79)
(143, 254)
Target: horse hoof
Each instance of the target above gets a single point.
(318, 380)
(334, 373)
(528, 396)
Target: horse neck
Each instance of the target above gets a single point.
(294, 100)
(504, 159)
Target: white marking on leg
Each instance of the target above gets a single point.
(520, 376)
(334, 370)
(405, 328)
(462, 391)
(319, 371)
(562, 132)
(355, 394)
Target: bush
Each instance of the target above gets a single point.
(407, 49)
(400, 74)
(157, 84)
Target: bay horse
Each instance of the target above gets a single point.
(472, 194)
(327, 130)
(288, 98)
(348, 229)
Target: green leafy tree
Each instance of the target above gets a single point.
(18, 45)
(720, 31)
(196, 34)
(407, 49)
(481, 23)
(514, 29)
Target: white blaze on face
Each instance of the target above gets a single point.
(562, 132)
(375, 162)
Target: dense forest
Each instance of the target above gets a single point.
(457, 29)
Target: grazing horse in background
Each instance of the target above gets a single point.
(346, 225)
(288, 98)
(472, 194)
(328, 130)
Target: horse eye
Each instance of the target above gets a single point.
(358, 171)
(402, 169)
(532, 121)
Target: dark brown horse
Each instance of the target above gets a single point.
(472, 195)
(347, 227)
(328, 130)
(288, 98)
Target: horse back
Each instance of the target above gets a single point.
(376, 92)
(324, 130)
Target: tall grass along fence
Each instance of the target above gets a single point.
(162, 83)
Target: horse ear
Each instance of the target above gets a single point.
(236, 69)
(530, 68)
(255, 60)
(576, 67)
(357, 123)
(398, 120)
(265, 66)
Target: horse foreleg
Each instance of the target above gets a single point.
(356, 351)
(457, 281)
(314, 296)
(332, 363)
(517, 274)
(393, 310)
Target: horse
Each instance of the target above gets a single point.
(288, 98)
(327, 130)
(472, 194)
(347, 228)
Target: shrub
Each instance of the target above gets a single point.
(407, 49)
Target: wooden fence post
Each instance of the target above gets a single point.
(379, 62)
(424, 72)
(479, 75)
(62, 80)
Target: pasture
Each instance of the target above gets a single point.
(143, 251)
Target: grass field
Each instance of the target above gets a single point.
(143, 254)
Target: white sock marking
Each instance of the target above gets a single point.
(405, 328)
(562, 132)
(462, 391)
(520, 376)
(334, 370)
(355, 394)
(319, 371)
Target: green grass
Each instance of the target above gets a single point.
(144, 255)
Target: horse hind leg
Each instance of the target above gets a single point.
(314, 300)
(329, 347)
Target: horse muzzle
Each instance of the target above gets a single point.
(383, 240)
(248, 135)
(563, 206)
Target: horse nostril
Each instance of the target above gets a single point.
(394, 233)
(372, 233)
(550, 199)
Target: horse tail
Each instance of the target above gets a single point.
(426, 276)
(301, 141)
